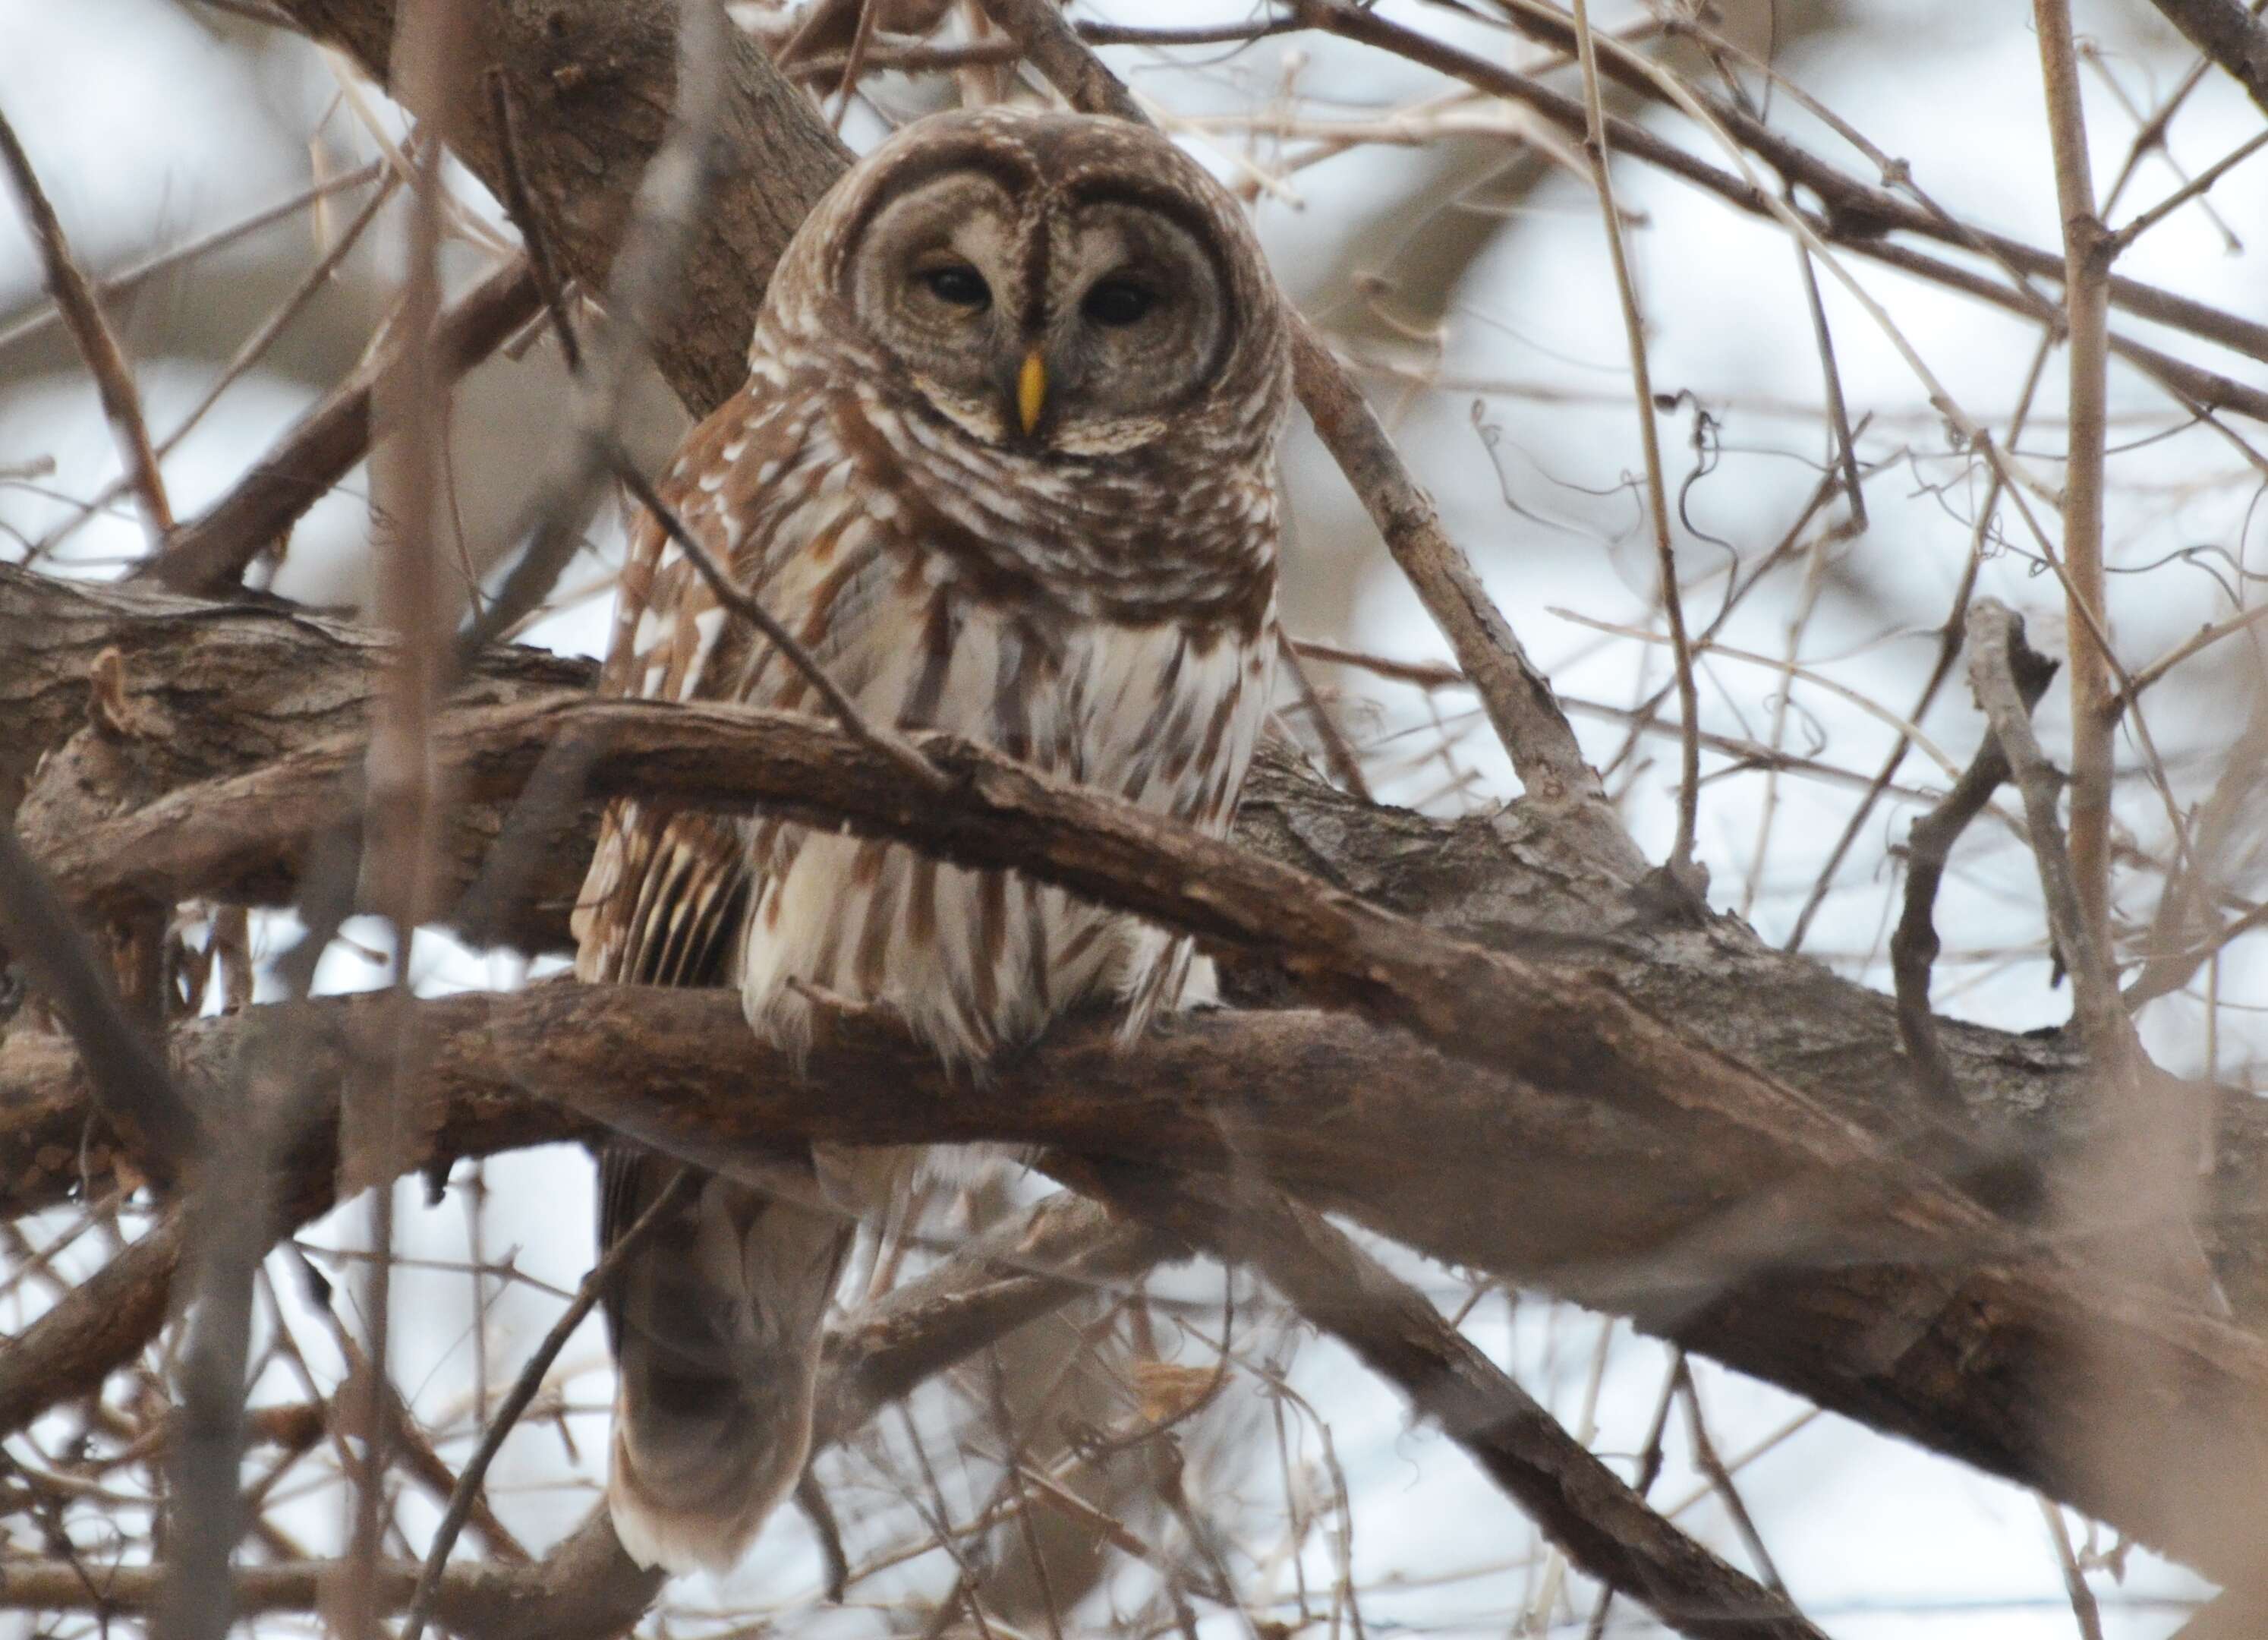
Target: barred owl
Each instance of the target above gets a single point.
(1006, 464)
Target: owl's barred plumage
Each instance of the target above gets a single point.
(1089, 587)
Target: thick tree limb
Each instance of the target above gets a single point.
(130, 1085)
(1703, 1232)
(2234, 37)
(1577, 1036)
(92, 1330)
(591, 83)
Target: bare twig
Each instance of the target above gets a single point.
(524, 1390)
(1338, 755)
(129, 278)
(1951, 637)
(106, 360)
(639, 291)
(2087, 249)
(1706, 1459)
(228, 1221)
(1914, 946)
(1673, 601)
(401, 814)
(2083, 1607)
(522, 211)
(1858, 215)
(1996, 638)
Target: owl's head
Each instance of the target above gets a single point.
(1054, 284)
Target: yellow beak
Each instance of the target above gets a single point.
(1031, 390)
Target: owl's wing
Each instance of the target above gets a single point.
(715, 1322)
(666, 887)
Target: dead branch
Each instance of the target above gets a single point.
(2086, 310)
(592, 85)
(523, 1392)
(1996, 643)
(1914, 946)
(1601, 161)
(132, 1089)
(585, 1588)
(642, 287)
(92, 1330)
(1857, 216)
(1582, 1036)
(97, 345)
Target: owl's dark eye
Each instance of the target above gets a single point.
(959, 285)
(1117, 302)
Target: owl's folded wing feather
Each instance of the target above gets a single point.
(715, 1323)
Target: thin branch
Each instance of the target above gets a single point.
(521, 209)
(2083, 1607)
(1856, 218)
(1649, 432)
(227, 1221)
(721, 586)
(400, 815)
(1914, 946)
(643, 285)
(523, 1392)
(128, 279)
(1338, 754)
(2195, 188)
(106, 360)
(2088, 248)
(1951, 637)
(1996, 638)
(211, 551)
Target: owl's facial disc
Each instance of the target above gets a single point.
(1076, 323)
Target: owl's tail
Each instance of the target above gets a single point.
(717, 1323)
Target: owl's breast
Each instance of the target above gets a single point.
(976, 961)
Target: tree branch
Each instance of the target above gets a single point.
(1957, 1337)
(2234, 37)
(212, 550)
